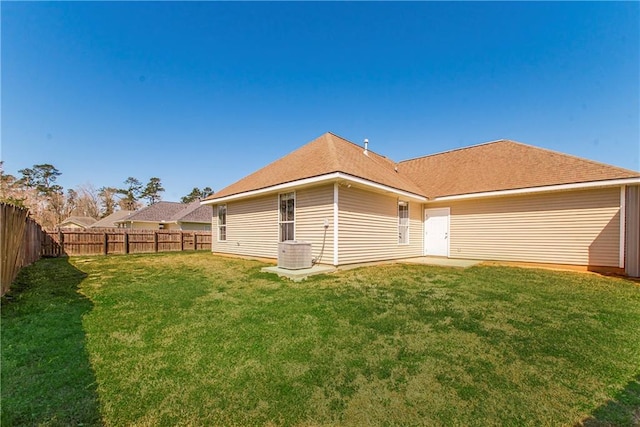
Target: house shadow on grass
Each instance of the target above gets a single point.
(47, 378)
(622, 410)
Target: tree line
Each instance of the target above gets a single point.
(36, 188)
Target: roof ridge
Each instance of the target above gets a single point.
(459, 149)
(142, 210)
(357, 145)
(584, 159)
(378, 158)
(186, 210)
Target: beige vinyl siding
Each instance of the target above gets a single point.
(573, 227)
(195, 226)
(140, 225)
(368, 227)
(187, 226)
(252, 228)
(314, 206)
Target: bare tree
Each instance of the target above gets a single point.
(87, 201)
(10, 191)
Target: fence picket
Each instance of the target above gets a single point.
(22, 242)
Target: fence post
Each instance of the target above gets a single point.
(106, 243)
(181, 240)
(155, 241)
(61, 241)
(195, 241)
(126, 242)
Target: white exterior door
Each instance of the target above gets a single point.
(436, 232)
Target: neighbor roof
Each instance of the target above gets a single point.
(503, 165)
(84, 221)
(194, 212)
(172, 212)
(109, 221)
(493, 166)
(327, 154)
(160, 211)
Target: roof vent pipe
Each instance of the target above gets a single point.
(366, 147)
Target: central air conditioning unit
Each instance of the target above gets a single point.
(294, 255)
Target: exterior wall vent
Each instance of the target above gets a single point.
(294, 255)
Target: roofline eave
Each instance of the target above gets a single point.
(545, 188)
(320, 179)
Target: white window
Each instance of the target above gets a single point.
(403, 223)
(222, 222)
(287, 216)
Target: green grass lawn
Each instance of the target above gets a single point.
(195, 339)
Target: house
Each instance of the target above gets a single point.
(80, 222)
(112, 220)
(170, 216)
(501, 200)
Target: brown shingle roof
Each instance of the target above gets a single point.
(160, 211)
(172, 212)
(194, 212)
(493, 166)
(503, 165)
(327, 154)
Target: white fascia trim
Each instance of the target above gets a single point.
(146, 221)
(315, 180)
(561, 187)
(623, 220)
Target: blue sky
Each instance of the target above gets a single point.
(202, 94)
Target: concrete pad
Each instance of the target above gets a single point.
(299, 275)
(444, 262)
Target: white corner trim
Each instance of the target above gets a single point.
(315, 180)
(623, 220)
(336, 192)
(561, 187)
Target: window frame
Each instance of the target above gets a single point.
(405, 225)
(222, 237)
(291, 195)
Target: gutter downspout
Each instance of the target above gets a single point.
(335, 224)
(623, 220)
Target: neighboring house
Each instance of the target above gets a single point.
(501, 200)
(81, 222)
(170, 216)
(112, 221)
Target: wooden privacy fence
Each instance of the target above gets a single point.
(21, 240)
(124, 241)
